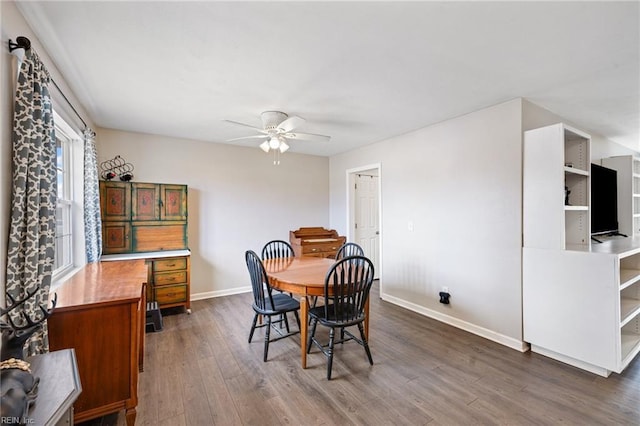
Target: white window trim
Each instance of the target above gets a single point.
(76, 162)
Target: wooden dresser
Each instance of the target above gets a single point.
(149, 221)
(316, 241)
(101, 314)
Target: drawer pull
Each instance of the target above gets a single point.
(170, 265)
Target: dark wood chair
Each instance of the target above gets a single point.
(266, 304)
(349, 249)
(277, 248)
(346, 289)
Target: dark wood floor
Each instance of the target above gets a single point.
(200, 370)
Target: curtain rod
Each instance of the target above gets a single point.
(24, 43)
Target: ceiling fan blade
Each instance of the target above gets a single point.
(290, 123)
(248, 137)
(308, 137)
(247, 125)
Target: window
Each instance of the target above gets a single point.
(63, 259)
(65, 232)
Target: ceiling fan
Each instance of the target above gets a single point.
(277, 130)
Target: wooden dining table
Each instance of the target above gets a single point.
(303, 276)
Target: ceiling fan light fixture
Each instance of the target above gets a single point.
(274, 142)
(265, 146)
(283, 147)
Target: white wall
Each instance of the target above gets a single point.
(238, 199)
(459, 182)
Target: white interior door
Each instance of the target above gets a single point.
(367, 219)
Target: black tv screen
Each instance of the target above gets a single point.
(604, 200)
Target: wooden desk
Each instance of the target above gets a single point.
(101, 314)
(303, 276)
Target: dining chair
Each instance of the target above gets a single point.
(266, 304)
(346, 288)
(277, 248)
(345, 250)
(349, 249)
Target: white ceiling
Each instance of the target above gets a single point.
(359, 71)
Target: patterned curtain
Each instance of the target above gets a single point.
(92, 222)
(32, 229)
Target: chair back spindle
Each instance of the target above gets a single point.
(277, 248)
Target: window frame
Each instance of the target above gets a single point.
(72, 201)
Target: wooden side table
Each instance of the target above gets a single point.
(58, 389)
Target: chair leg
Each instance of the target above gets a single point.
(253, 327)
(266, 337)
(365, 343)
(330, 353)
(295, 313)
(314, 324)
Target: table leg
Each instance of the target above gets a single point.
(304, 321)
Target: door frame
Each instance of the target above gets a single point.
(351, 207)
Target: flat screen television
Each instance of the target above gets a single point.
(604, 200)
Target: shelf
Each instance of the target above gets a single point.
(628, 277)
(630, 343)
(629, 309)
(576, 171)
(576, 208)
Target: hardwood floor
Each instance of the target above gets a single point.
(200, 370)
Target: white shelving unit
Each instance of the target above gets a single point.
(628, 168)
(556, 159)
(581, 302)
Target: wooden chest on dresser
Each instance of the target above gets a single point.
(143, 217)
(316, 241)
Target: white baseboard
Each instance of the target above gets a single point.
(600, 371)
(458, 323)
(220, 293)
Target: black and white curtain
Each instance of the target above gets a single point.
(92, 221)
(31, 246)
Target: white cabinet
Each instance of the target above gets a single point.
(556, 188)
(583, 307)
(628, 168)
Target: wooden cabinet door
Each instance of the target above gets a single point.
(145, 199)
(173, 205)
(116, 237)
(115, 201)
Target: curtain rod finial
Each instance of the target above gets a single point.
(21, 43)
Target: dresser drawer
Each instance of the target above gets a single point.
(169, 278)
(171, 294)
(170, 264)
(320, 248)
